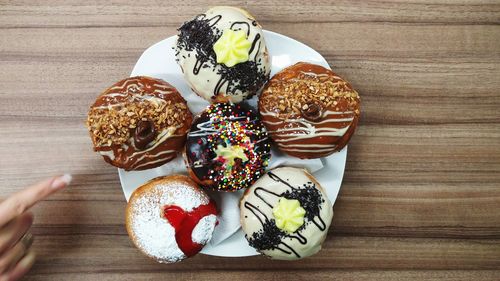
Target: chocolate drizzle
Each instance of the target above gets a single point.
(200, 34)
(241, 23)
(255, 40)
(270, 237)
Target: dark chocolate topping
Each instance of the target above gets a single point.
(225, 125)
(312, 112)
(144, 133)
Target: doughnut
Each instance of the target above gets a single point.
(227, 148)
(309, 111)
(223, 55)
(139, 123)
(170, 218)
(286, 214)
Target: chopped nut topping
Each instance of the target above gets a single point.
(290, 97)
(113, 124)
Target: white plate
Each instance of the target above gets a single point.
(159, 61)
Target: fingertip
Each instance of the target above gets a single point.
(61, 181)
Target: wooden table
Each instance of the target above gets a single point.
(421, 192)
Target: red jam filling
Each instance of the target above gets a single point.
(184, 223)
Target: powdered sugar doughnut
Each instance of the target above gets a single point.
(170, 219)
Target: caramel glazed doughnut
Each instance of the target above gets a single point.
(139, 123)
(309, 111)
(215, 81)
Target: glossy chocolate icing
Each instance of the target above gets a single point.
(226, 126)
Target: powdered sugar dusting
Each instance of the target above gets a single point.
(153, 234)
(202, 233)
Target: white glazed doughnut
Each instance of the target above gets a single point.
(212, 79)
(286, 214)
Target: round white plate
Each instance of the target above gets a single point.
(159, 61)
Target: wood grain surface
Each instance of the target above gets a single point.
(421, 194)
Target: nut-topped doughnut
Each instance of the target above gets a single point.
(309, 110)
(223, 54)
(227, 148)
(139, 123)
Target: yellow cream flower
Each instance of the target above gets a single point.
(231, 152)
(232, 47)
(289, 215)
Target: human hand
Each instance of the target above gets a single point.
(16, 255)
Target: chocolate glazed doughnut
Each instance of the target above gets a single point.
(227, 148)
(309, 111)
(139, 123)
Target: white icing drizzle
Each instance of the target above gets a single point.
(152, 156)
(295, 137)
(150, 163)
(133, 97)
(140, 155)
(108, 153)
(314, 149)
(326, 113)
(161, 138)
(301, 129)
(205, 128)
(299, 145)
(316, 74)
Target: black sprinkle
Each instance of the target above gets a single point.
(244, 77)
(269, 237)
(309, 197)
(200, 35)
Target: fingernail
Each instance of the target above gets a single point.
(28, 260)
(62, 181)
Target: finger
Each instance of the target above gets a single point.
(14, 230)
(12, 256)
(21, 268)
(18, 203)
